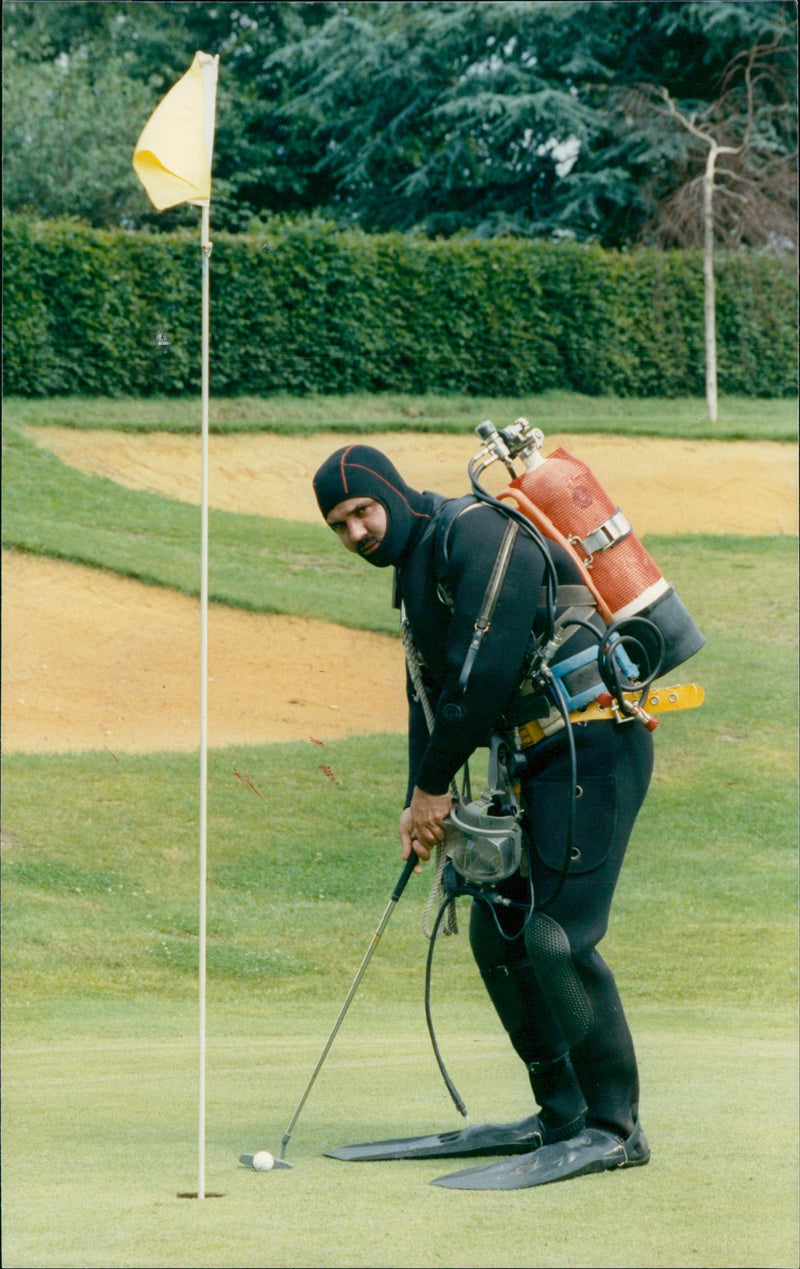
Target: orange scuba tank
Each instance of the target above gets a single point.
(566, 501)
(573, 499)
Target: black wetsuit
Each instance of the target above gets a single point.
(614, 763)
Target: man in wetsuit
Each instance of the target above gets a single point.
(588, 1096)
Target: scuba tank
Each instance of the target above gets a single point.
(567, 503)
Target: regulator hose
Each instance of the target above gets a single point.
(451, 1088)
(618, 635)
(454, 893)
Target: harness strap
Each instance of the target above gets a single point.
(489, 602)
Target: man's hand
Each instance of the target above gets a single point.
(421, 823)
(407, 843)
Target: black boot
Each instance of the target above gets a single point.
(558, 1093)
(611, 1089)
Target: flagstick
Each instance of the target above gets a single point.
(205, 245)
(185, 119)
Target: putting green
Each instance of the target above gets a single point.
(98, 1143)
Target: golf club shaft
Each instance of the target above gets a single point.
(411, 862)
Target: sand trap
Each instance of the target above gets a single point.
(94, 661)
(663, 486)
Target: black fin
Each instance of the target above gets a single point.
(481, 1139)
(592, 1150)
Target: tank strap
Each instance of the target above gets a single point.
(607, 534)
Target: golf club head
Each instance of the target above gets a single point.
(247, 1160)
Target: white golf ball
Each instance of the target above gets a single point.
(263, 1161)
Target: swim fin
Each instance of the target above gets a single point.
(592, 1150)
(480, 1139)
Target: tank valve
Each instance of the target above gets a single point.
(524, 442)
(495, 444)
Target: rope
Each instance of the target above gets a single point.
(437, 894)
(437, 897)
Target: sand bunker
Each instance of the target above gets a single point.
(94, 661)
(664, 486)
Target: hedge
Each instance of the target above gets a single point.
(302, 308)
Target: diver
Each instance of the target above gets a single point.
(481, 597)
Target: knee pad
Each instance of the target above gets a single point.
(549, 950)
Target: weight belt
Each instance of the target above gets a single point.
(656, 701)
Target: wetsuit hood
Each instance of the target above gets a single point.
(359, 471)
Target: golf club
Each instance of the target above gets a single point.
(408, 868)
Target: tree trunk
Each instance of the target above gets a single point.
(709, 299)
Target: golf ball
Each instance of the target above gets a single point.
(263, 1161)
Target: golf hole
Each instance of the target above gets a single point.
(208, 1194)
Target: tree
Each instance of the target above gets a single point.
(746, 192)
(683, 47)
(432, 117)
(487, 117)
(69, 130)
(81, 79)
(438, 116)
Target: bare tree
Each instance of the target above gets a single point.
(746, 194)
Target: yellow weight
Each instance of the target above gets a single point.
(657, 700)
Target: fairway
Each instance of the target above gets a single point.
(99, 1065)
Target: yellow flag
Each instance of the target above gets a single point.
(173, 155)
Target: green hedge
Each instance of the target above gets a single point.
(309, 308)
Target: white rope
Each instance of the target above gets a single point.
(449, 923)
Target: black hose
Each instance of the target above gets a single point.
(454, 893)
(618, 635)
(451, 1088)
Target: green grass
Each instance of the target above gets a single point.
(740, 418)
(101, 891)
(255, 563)
(100, 1023)
(99, 955)
(110, 1131)
(101, 1146)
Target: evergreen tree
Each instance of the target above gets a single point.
(443, 116)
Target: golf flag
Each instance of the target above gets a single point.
(173, 155)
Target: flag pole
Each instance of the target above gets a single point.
(172, 159)
(205, 246)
